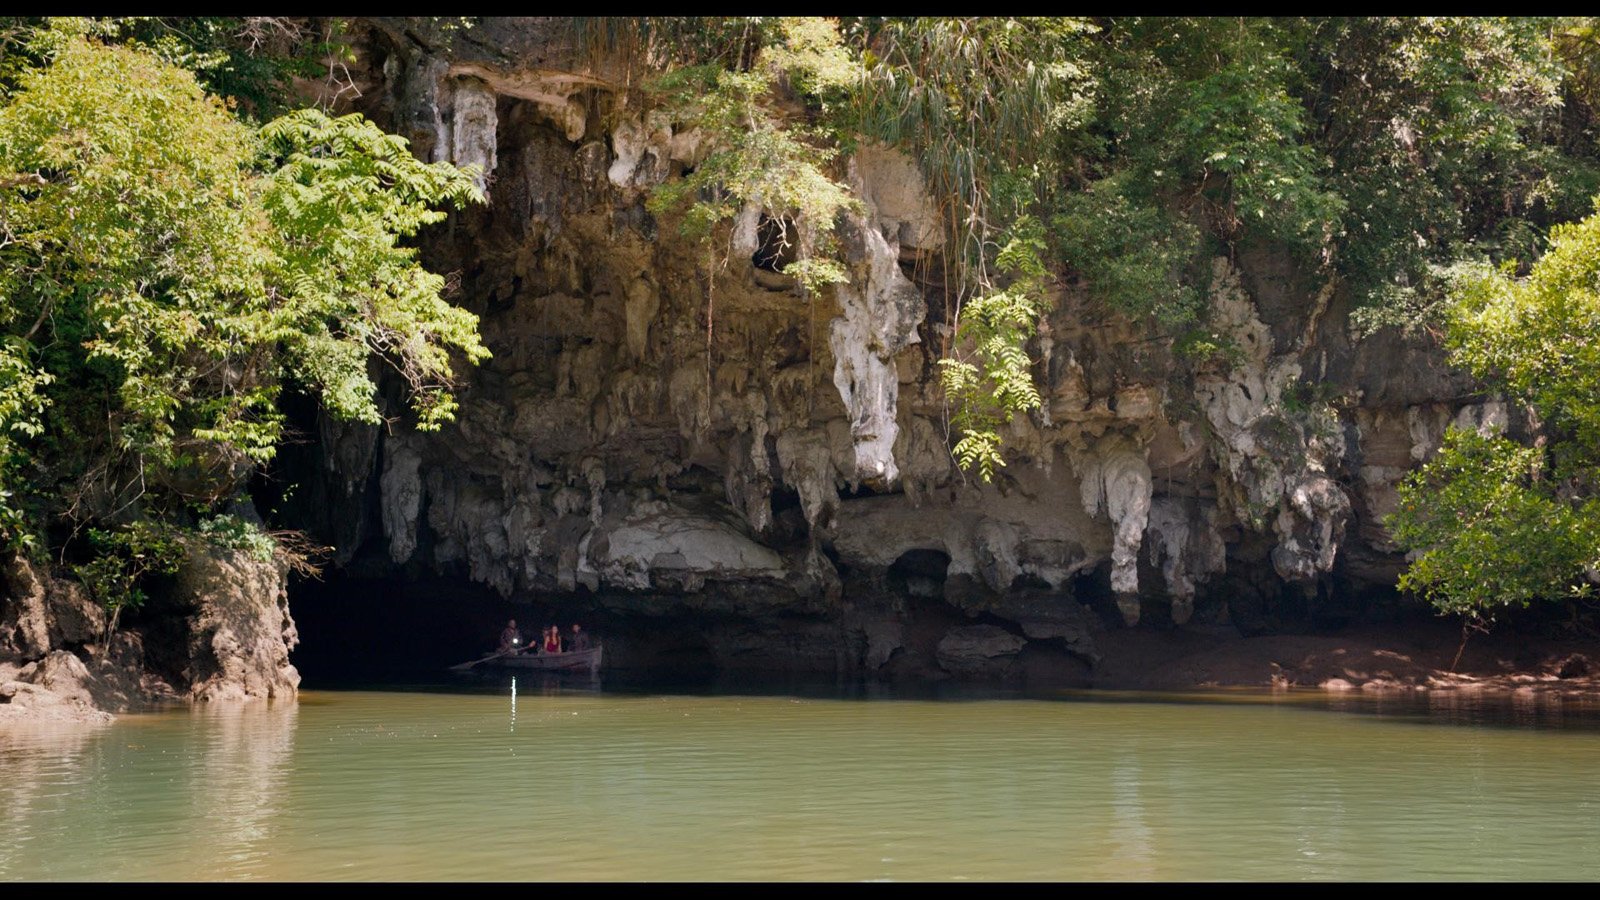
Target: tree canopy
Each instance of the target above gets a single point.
(167, 268)
(1495, 522)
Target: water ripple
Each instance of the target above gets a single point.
(412, 786)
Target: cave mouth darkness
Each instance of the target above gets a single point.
(776, 239)
(382, 632)
(401, 629)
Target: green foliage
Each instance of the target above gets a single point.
(1462, 150)
(233, 533)
(1425, 306)
(1377, 149)
(1195, 140)
(988, 377)
(974, 100)
(248, 60)
(1493, 522)
(1206, 348)
(758, 157)
(1132, 254)
(131, 233)
(21, 399)
(166, 269)
(1492, 530)
(125, 557)
(1576, 42)
(341, 197)
(812, 58)
(1537, 336)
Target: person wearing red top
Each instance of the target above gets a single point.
(552, 640)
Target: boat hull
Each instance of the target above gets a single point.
(572, 661)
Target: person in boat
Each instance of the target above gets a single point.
(510, 638)
(579, 640)
(552, 640)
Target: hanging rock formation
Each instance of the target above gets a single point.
(659, 435)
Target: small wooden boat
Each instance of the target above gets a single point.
(570, 661)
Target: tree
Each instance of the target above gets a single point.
(166, 269)
(1493, 522)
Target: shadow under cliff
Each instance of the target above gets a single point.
(378, 630)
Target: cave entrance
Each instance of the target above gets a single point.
(380, 629)
(362, 631)
(920, 573)
(777, 243)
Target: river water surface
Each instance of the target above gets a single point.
(549, 782)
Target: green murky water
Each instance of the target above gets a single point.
(558, 784)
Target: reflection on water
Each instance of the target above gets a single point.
(1133, 856)
(533, 779)
(240, 775)
(40, 767)
(122, 801)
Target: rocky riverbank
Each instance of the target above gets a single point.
(1366, 658)
(219, 631)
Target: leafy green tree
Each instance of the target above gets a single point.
(1496, 523)
(250, 62)
(166, 269)
(1492, 530)
(341, 196)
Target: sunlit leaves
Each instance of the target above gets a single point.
(757, 156)
(988, 377)
(21, 401)
(1494, 522)
(342, 196)
(1539, 335)
(1492, 529)
(165, 269)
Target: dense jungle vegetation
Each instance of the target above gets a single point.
(179, 245)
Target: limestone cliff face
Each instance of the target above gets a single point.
(656, 434)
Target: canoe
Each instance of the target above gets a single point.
(571, 661)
